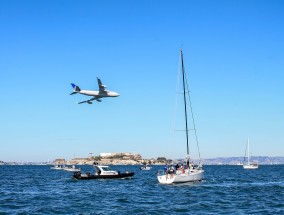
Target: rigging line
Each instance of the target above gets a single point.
(193, 121)
(176, 102)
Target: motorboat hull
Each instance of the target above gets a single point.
(146, 168)
(56, 168)
(79, 176)
(191, 176)
(72, 170)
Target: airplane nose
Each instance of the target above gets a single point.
(117, 94)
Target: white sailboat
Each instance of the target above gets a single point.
(248, 164)
(186, 172)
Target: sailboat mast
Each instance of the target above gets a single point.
(184, 97)
(248, 151)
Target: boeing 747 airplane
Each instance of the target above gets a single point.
(97, 95)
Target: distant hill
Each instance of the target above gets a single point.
(137, 159)
(237, 160)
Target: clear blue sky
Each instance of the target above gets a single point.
(234, 57)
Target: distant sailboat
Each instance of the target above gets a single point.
(248, 164)
(186, 172)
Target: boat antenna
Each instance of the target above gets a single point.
(184, 97)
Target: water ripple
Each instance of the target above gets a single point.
(225, 190)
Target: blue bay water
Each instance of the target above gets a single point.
(225, 190)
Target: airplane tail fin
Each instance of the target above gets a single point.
(76, 89)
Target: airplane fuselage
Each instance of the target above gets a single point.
(98, 94)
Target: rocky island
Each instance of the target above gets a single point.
(113, 159)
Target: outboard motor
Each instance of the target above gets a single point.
(77, 175)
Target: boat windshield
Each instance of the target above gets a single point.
(106, 169)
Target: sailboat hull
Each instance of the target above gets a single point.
(191, 176)
(250, 166)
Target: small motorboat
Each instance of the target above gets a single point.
(72, 169)
(58, 167)
(145, 167)
(102, 172)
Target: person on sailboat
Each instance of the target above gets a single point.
(172, 170)
(191, 166)
(166, 169)
(182, 169)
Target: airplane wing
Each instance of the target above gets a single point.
(89, 101)
(102, 88)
